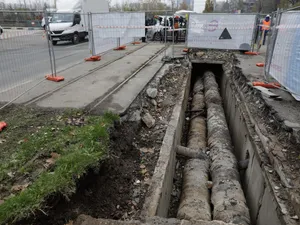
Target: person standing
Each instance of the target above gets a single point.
(266, 26)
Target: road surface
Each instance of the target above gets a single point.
(24, 57)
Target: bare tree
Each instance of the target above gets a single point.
(183, 6)
(209, 6)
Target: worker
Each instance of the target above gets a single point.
(266, 26)
(176, 27)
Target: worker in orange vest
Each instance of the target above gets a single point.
(265, 27)
(176, 27)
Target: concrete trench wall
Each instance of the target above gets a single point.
(264, 208)
(159, 195)
(258, 184)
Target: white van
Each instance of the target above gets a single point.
(70, 22)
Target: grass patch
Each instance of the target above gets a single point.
(61, 150)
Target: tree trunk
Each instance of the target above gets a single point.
(227, 195)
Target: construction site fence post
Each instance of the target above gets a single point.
(91, 35)
(48, 38)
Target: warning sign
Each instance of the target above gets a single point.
(225, 35)
(221, 31)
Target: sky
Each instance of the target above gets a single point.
(198, 4)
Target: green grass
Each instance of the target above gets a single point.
(80, 148)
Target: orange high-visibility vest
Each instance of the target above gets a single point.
(266, 25)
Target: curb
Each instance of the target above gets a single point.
(158, 198)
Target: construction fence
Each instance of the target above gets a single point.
(28, 55)
(282, 57)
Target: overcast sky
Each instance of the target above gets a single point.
(199, 4)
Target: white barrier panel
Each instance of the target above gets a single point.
(116, 25)
(102, 44)
(221, 31)
(126, 40)
(285, 63)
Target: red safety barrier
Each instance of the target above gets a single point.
(251, 53)
(123, 47)
(260, 64)
(266, 85)
(55, 79)
(93, 58)
(3, 125)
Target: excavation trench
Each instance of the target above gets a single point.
(217, 169)
(200, 163)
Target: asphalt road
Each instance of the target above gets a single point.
(24, 57)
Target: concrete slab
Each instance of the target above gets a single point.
(121, 100)
(84, 91)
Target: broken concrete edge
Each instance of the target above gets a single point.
(158, 197)
(261, 149)
(88, 220)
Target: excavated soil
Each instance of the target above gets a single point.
(117, 189)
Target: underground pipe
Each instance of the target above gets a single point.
(195, 197)
(191, 153)
(227, 196)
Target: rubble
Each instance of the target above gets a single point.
(152, 92)
(148, 120)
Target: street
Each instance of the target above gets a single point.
(24, 57)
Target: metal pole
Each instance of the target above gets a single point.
(91, 33)
(54, 63)
(173, 33)
(165, 32)
(118, 42)
(254, 33)
(48, 39)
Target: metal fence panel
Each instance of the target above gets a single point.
(24, 62)
(221, 31)
(285, 62)
(115, 25)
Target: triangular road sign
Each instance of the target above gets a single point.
(225, 35)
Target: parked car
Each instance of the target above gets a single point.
(157, 32)
(1, 30)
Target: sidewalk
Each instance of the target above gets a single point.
(287, 107)
(97, 84)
